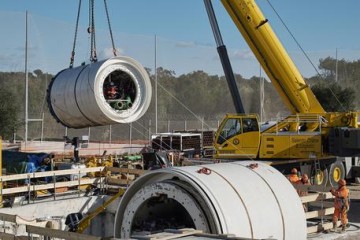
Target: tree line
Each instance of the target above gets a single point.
(189, 96)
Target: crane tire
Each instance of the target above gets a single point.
(336, 172)
(320, 177)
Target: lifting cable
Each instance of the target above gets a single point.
(76, 30)
(91, 31)
(111, 35)
(308, 58)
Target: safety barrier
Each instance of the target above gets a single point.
(29, 189)
(320, 208)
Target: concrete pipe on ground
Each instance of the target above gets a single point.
(116, 90)
(225, 198)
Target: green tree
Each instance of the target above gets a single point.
(9, 119)
(333, 97)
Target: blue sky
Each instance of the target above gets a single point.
(184, 39)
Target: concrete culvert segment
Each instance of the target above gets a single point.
(116, 90)
(225, 198)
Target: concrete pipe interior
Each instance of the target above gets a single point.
(116, 90)
(161, 212)
(119, 90)
(227, 198)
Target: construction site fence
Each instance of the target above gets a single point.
(23, 184)
(142, 129)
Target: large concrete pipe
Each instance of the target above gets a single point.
(225, 198)
(117, 90)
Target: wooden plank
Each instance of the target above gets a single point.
(7, 236)
(118, 182)
(322, 204)
(321, 227)
(55, 233)
(311, 188)
(321, 212)
(316, 197)
(49, 173)
(126, 170)
(82, 181)
(7, 217)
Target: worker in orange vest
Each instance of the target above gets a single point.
(341, 204)
(293, 177)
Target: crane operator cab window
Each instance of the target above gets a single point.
(236, 126)
(238, 137)
(250, 125)
(231, 127)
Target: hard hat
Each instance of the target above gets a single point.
(294, 170)
(305, 177)
(342, 182)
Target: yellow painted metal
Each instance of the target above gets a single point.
(272, 56)
(336, 174)
(291, 86)
(319, 177)
(290, 145)
(342, 119)
(244, 145)
(85, 222)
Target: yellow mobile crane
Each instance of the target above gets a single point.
(322, 144)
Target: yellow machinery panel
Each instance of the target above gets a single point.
(290, 146)
(241, 146)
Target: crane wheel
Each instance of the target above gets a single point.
(336, 172)
(320, 177)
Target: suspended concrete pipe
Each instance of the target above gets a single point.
(116, 90)
(225, 198)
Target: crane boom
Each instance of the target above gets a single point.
(272, 56)
(315, 140)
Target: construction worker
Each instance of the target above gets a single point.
(304, 192)
(341, 204)
(293, 177)
(111, 91)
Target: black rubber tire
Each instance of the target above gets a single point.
(336, 172)
(320, 178)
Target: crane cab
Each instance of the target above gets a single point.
(238, 137)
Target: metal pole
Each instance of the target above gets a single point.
(149, 127)
(26, 80)
(202, 124)
(336, 66)
(156, 83)
(262, 97)
(130, 136)
(110, 134)
(42, 127)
